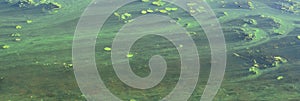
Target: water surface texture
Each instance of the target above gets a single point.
(262, 40)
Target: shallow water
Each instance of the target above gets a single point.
(36, 59)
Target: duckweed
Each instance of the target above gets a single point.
(18, 27)
(5, 46)
(17, 39)
(163, 11)
(130, 55)
(144, 12)
(158, 3)
(170, 9)
(107, 49)
(254, 70)
(279, 78)
(132, 100)
(127, 15)
(28, 21)
(145, 0)
(150, 11)
(15, 35)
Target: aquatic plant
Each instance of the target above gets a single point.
(128, 21)
(54, 5)
(254, 70)
(67, 66)
(127, 15)
(145, 0)
(279, 78)
(26, 3)
(15, 35)
(250, 4)
(163, 11)
(144, 12)
(225, 13)
(158, 3)
(107, 49)
(123, 17)
(5, 46)
(280, 59)
(18, 27)
(43, 2)
(149, 10)
(129, 55)
(17, 39)
(9, 1)
(117, 15)
(132, 100)
(171, 9)
(28, 21)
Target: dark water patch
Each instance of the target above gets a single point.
(297, 22)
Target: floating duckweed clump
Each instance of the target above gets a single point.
(125, 17)
(18, 27)
(171, 9)
(18, 39)
(247, 33)
(163, 11)
(149, 10)
(26, 3)
(250, 4)
(129, 55)
(279, 78)
(158, 3)
(144, 12)
(15, 35)
(132, 100)
(28, 21)
(145, 0)
(290, 6)
(68, 66)
(107, 49)
(254, 70)
(5, 46)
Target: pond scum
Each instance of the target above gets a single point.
(262, 38)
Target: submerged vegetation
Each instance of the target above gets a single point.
(262, 39)
(44, 5)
